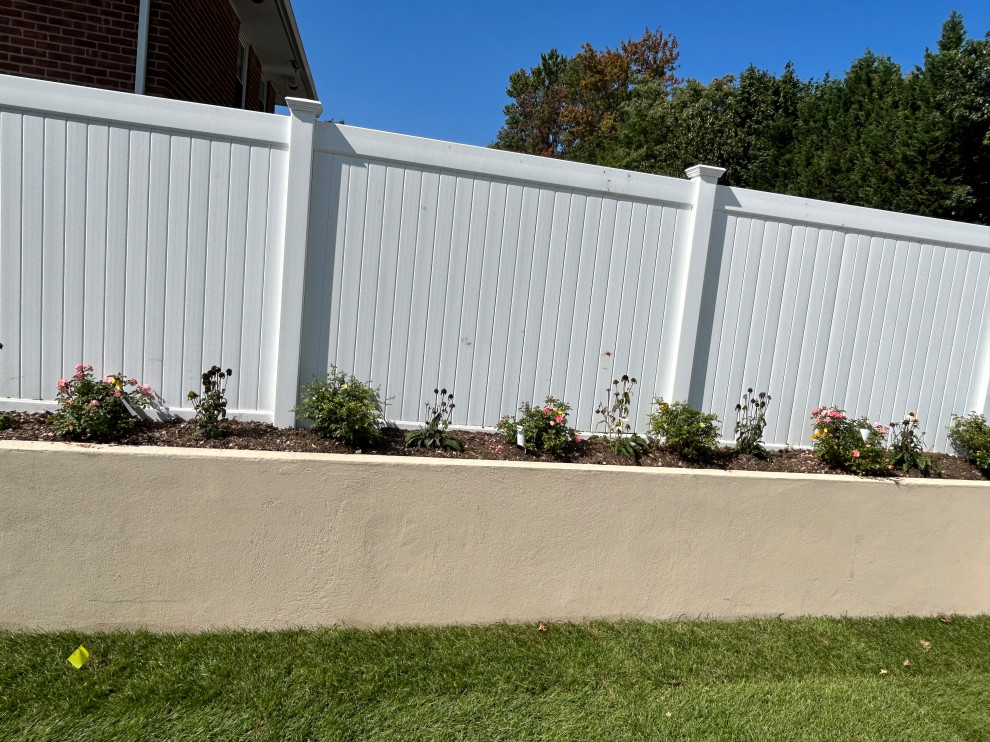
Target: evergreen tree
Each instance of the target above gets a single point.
(917, 143)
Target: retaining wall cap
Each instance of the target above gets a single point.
(97, 449)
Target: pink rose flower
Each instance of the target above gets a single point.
(79, 367)
(94, 403)
(117, 395)
(560, 418)
(855, 453)
(132, 382)
(577, 438)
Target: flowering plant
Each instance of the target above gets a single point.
(545, 428)
(92, 409)
(211, 407)
(439, 416)
(907, 446)
(614, 412)
(751, 421)
(856, 445)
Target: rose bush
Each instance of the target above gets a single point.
(101, 410)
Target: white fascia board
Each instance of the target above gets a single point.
(296, 40)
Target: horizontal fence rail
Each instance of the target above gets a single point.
(160, 237)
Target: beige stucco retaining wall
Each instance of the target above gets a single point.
(170, 539)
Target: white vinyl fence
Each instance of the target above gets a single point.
(159, 237)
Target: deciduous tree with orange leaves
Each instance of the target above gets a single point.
(569, 106)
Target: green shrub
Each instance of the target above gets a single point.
(343, 408)
(970, 436)
(545, 428)
(211, 407)
(6, 421)
(91, 409)
(434, 433)
(685, 431)
(856, 445)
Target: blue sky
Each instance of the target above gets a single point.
(439, 69)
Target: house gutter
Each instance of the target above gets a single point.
(141, 65)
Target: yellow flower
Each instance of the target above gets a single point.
(343, 386)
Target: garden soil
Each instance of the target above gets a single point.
(255, 436)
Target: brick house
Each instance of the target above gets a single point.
(238, 53)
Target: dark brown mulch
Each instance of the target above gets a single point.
(264, 437)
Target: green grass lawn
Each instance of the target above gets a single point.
(809, 679)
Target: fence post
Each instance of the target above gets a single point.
(686, 282)
(981, 378)
(297, 203)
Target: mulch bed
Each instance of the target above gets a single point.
(255, 436)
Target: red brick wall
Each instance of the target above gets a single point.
(254, 79)
(253, 99)
(85, 42)
(192, 51)
(270, 99)
(192, 47)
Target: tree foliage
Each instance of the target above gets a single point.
(917, 142)
(570, 106)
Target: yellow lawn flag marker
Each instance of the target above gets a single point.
(78, 658)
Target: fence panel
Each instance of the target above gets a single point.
(424, 274)
(810, 302)
(135, 245)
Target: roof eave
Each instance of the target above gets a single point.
(308, 84)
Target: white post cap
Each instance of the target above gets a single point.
(304, 105)
(706, 173)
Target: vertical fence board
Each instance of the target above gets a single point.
(32, 223)
(234, 273)
(135, 294)
(156, 269)
(53, 251)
